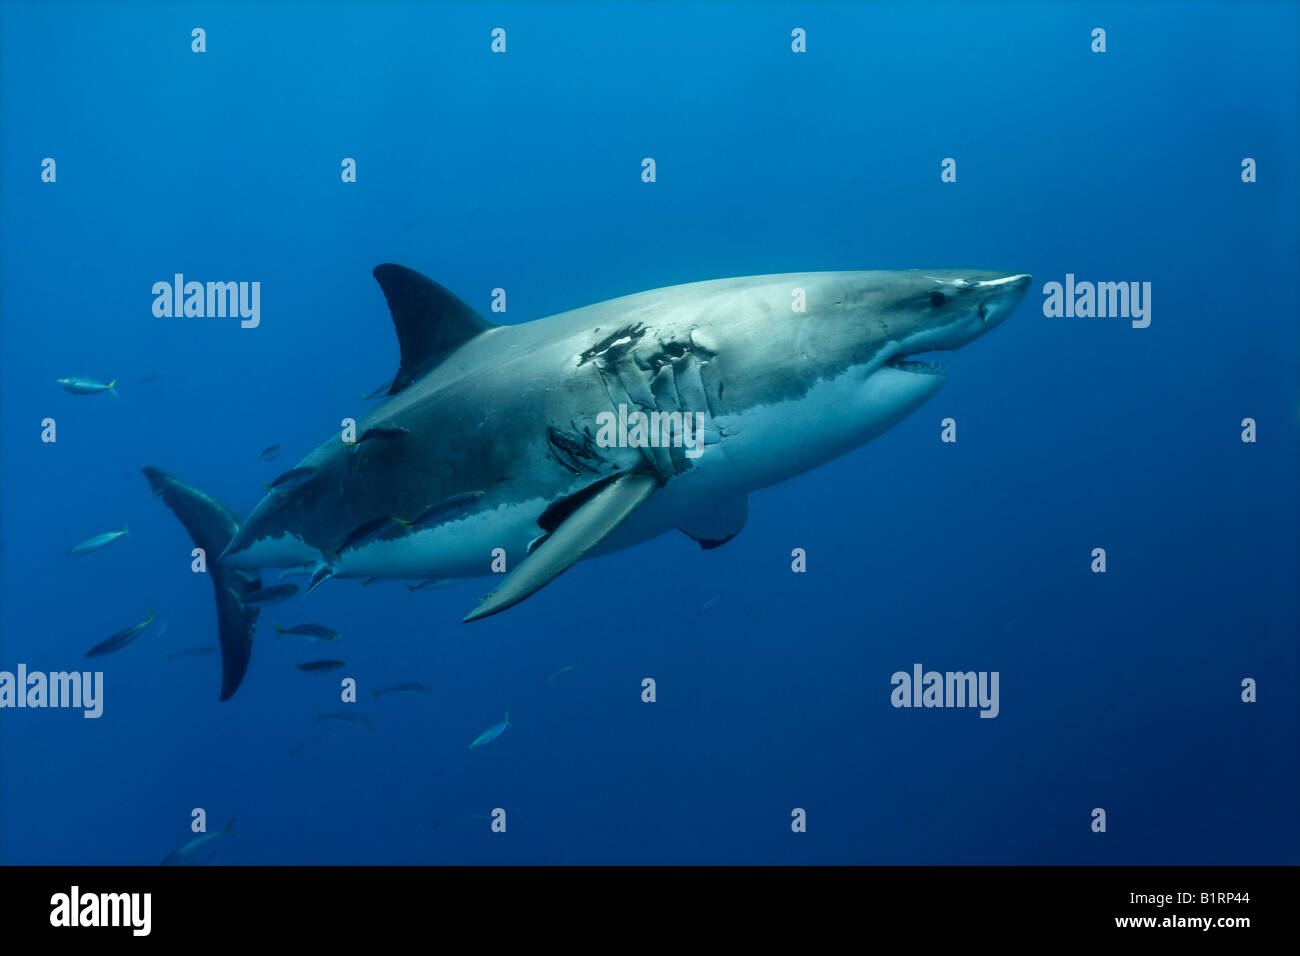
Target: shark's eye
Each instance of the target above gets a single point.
(937, 299)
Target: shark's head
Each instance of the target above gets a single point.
(895, 317)
(879, 326)
(929, 310)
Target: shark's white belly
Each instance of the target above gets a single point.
(763, 445)
(458, 549)
(768, 444)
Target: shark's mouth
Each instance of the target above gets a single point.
(918, 365)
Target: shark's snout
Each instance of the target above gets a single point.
(1000, 296)
(950, 309)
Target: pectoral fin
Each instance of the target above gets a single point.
(581, 530)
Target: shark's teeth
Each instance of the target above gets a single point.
(924, 368)
(918, 366)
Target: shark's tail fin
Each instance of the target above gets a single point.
(211, 525)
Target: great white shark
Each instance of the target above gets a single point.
(491, 436)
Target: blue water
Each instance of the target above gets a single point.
(522, 171)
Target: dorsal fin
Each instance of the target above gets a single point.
(431, 323)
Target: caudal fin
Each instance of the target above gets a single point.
(211, 525)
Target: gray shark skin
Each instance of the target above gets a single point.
(499, 423)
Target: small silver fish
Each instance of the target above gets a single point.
(491, 734)
(313, 632)
(86, 386)
(311, 666)
(121, 638)
(345, 717)
(291, 479)
(299, 748)
(269, 453)
(197, 844)
(264, 596)
(97, 542)
(440, 512)
(363, 534)
(322, 574)
(552, 677)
